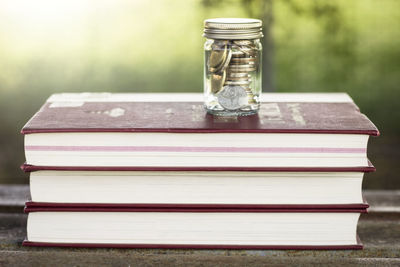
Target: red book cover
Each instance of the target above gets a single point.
(31, 168)
(359, 245)
(106, 207)
(114, 114)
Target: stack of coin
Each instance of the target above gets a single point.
(243, 63)
(231, 64)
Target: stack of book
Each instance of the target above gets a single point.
(154, 170)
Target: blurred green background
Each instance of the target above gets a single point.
(50, 46)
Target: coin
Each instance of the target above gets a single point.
(251, 100)
(242, 42)
(217, 57)
(241, 69)
(243, 82)
(250, 96)
(238, 75)
(241, 66)
(217, 81)
(219, 43)
(246, 60)
(235, 63)
(246, 78)
(224, 64)
(227, 61)
(243, 51)
(248, 51)
(232, 97)
(238, 53)
(230, 78)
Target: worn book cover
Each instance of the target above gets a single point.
(279, 113)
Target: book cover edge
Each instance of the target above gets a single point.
(370, 168)
(31, 206)
(356, 246)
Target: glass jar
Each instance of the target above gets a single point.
(232, 66)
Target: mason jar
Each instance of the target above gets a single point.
(232, 66)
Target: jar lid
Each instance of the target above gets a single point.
(233, 28)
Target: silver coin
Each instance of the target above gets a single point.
(238, 54)
(248, 51)
(243, 42)
(250, 96)
(238, 78)
(252, 100)
(238, 75)
(219, 43)
(245, 60)
(244, 82)
(232, 97)
(234, 70)
(241, 66)
(235, 47)
(236, 63)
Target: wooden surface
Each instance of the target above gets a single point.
(379, 230)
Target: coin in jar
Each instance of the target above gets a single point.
(250, 96)
(232, 97)
(243, 60)
(224, 64)
(219, 43)
(217, 81)
(238, 75)
(217, 57)
(243, 42)
(235, 63)
(241, 68)
(243, 82)
(230, 78)
(238, 53)
(248, 51)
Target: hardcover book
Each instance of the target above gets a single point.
(173, 130)
(192, 228)
(198, 188)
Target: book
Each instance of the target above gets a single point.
(173, 130)
(198, 188)
(193, 228)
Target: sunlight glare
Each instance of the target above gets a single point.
(42, 12)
